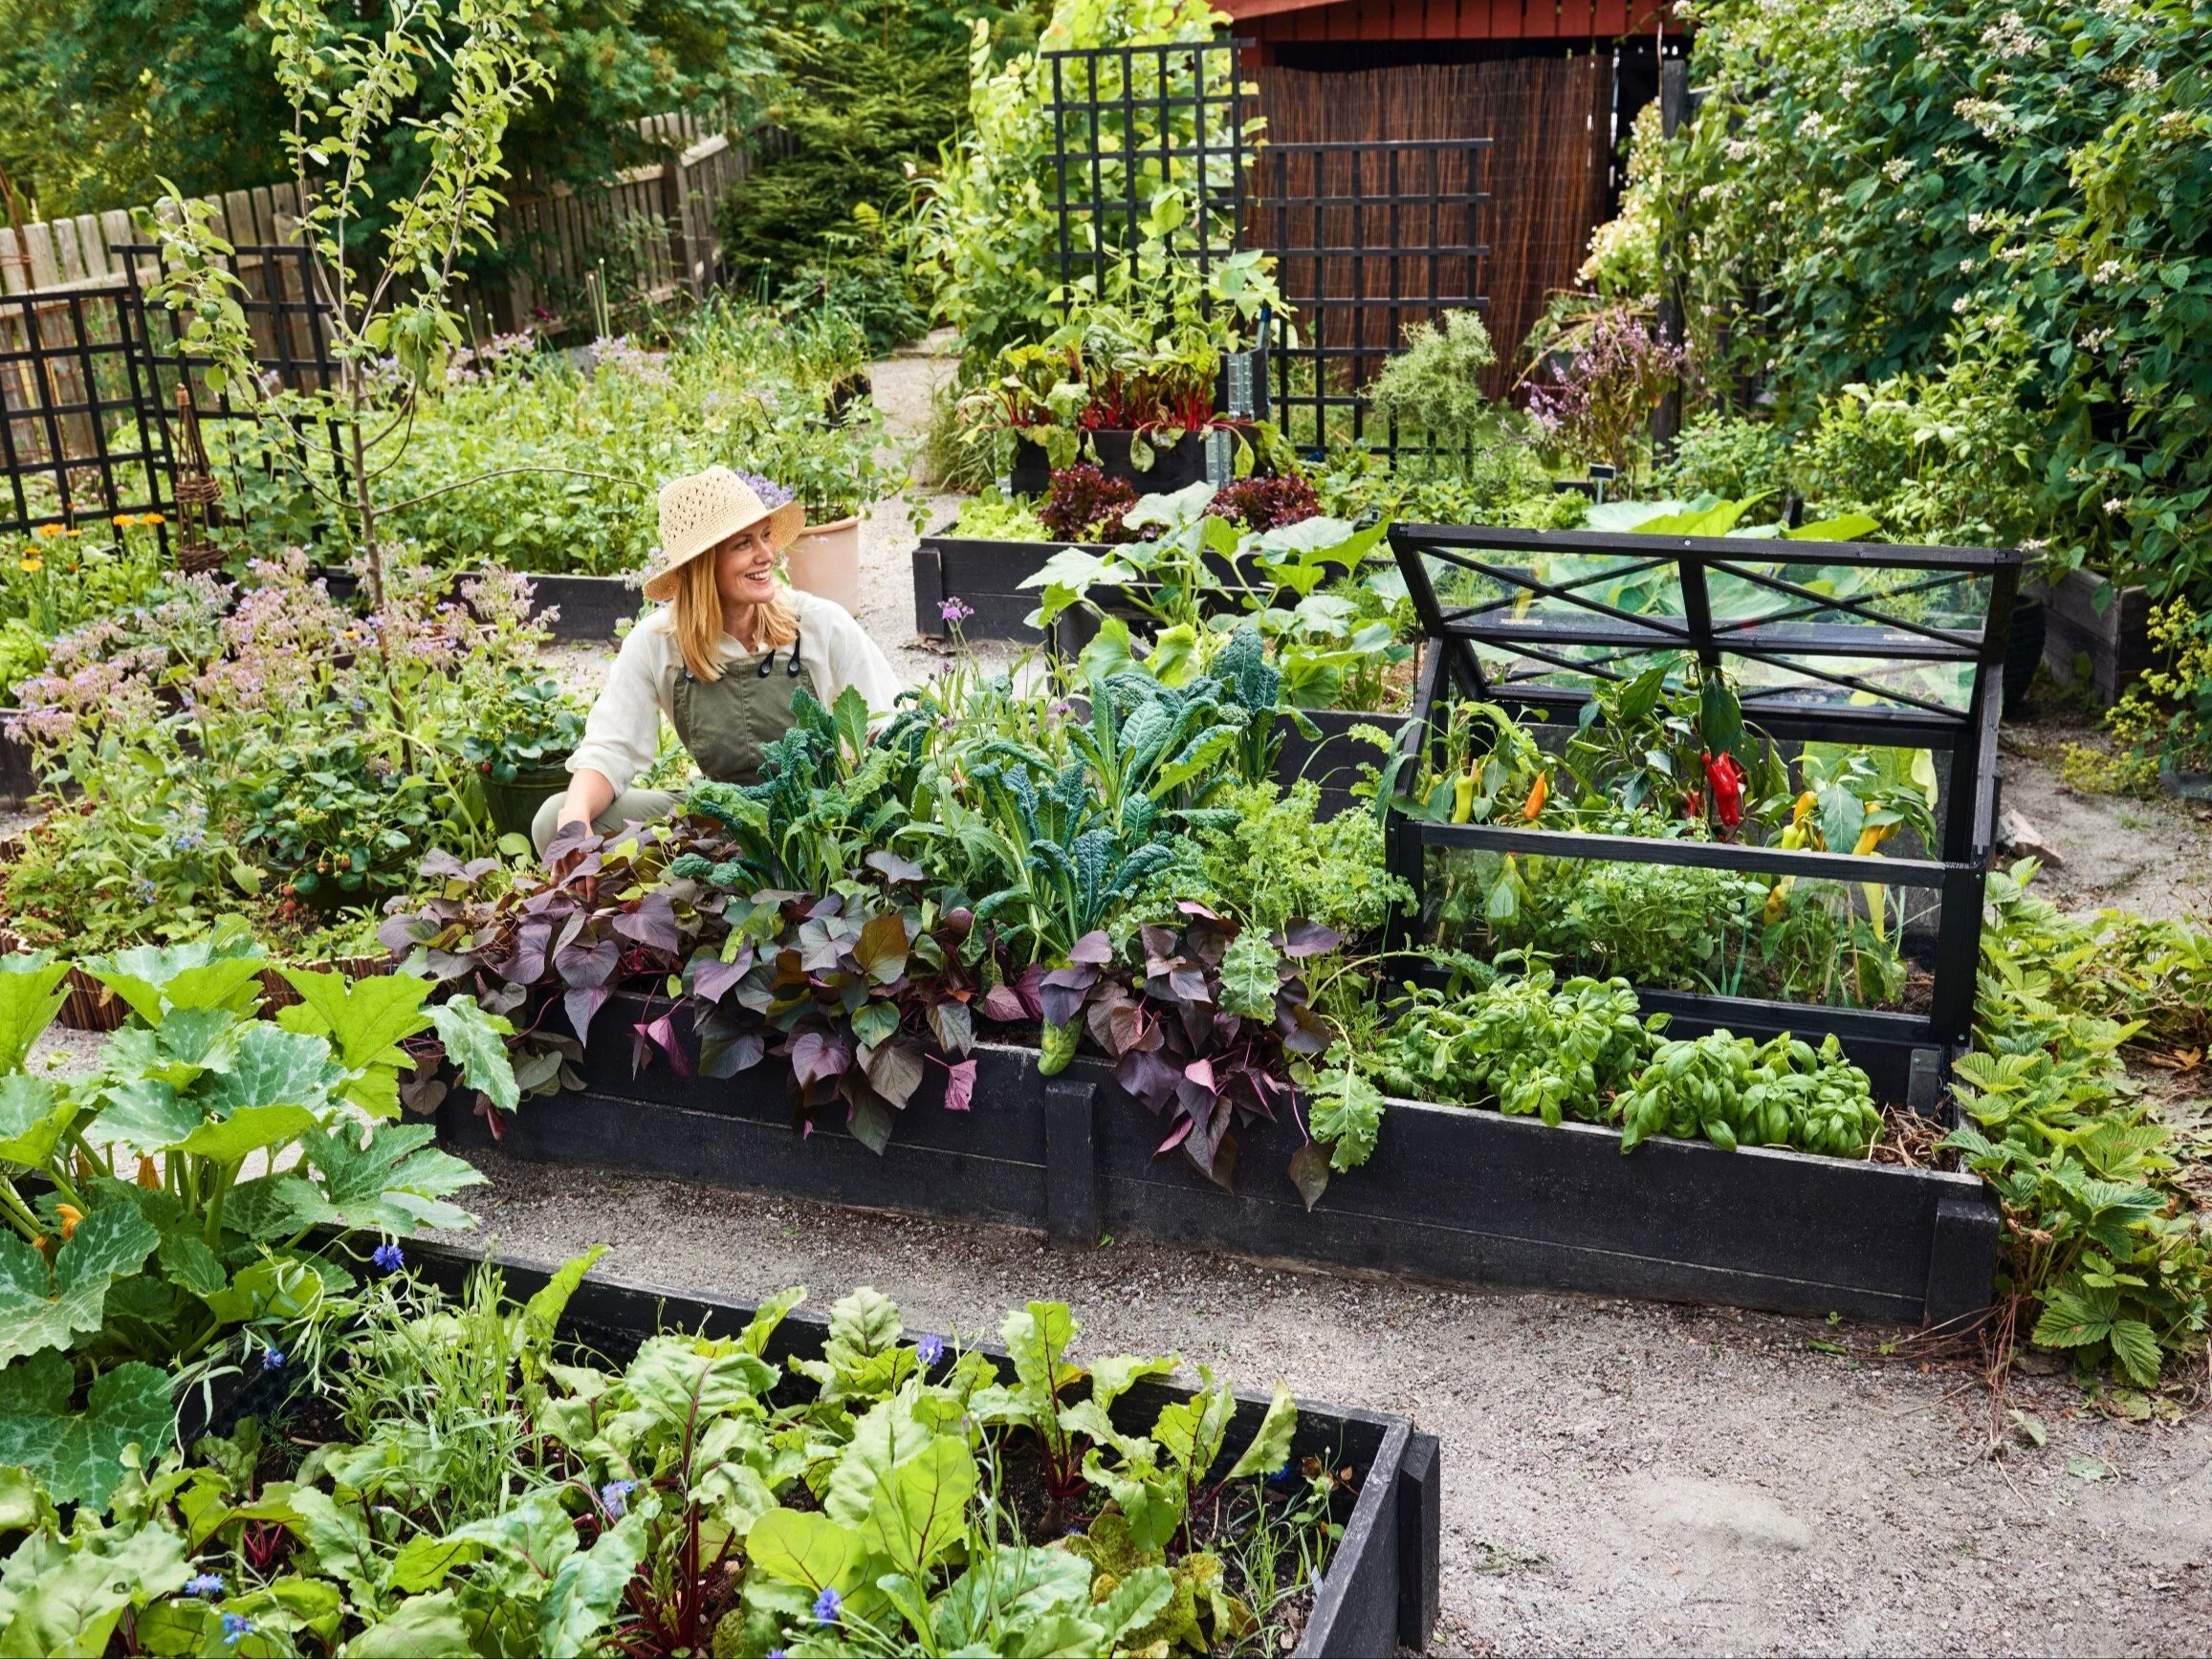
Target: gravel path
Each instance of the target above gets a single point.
(1619, 1476)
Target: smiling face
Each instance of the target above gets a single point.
(745, 567)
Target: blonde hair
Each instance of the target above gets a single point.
(699, 624)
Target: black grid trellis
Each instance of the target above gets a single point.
(1128, 121)
(290, 323)
(88, 380)
(77, 439)
(1896, 647)
(289, 319)
(1368, 236)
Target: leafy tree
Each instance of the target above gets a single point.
(102, 99)
(865, 100)
(1880, 188)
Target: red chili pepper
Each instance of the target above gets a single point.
(1726, 776)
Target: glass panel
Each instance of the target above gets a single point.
(1675, 928)
(1871, 682)
(1806, 634)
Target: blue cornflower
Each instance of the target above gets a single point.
(234, 1627)
(929, 1349)
(144, 891)
(1281, 1476)
(615, 1496)
(207, 1584)
(826, 1607)
(273, 1360)
(388, 1257)
(776, 1653)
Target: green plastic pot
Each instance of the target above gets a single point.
(514, 805)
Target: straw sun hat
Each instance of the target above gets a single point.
(700, 512)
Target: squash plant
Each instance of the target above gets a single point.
(159, 1211)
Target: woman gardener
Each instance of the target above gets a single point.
(720, 658)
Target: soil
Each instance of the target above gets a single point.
(1618, 1476)
(2152, 855)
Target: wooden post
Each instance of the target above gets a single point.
(1673, 109)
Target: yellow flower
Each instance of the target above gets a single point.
(124, 520)
(70, 1215)
(29, 562)
(151, 518)
(49, 530)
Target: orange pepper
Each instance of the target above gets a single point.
(1536, 797)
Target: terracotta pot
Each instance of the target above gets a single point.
(825, 560)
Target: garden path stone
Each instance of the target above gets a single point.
(1618, 1476)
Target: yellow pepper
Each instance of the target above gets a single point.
(1463, 798)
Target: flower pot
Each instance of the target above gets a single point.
(514, 804)
(825, 560)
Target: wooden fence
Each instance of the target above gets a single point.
(651, 229)
(87, 369)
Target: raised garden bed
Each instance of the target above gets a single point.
(1449, 1194)
(19, 776)
(2117, 641)
(590, 607)
(984, 575)
(1380, 1592)
(1171, 470)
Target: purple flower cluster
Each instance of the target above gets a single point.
(772, 493)
(1597, 402)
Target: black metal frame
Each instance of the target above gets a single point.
(1782, 636)
(1401, 185)
(1098, 186)
(48, 339)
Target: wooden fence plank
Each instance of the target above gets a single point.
(45, 272)
(15, 263)
(92, 246)
(65, 250)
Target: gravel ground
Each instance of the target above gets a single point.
(1618, 1476)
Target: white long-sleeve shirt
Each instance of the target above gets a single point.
(624, 730)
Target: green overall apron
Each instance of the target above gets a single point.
(727, 723)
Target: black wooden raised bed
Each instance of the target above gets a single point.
(1381, 1591)
(1451, 1194)
(590, 607)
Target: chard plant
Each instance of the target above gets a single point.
(490, 1491)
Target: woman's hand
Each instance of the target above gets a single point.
(589, 793)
